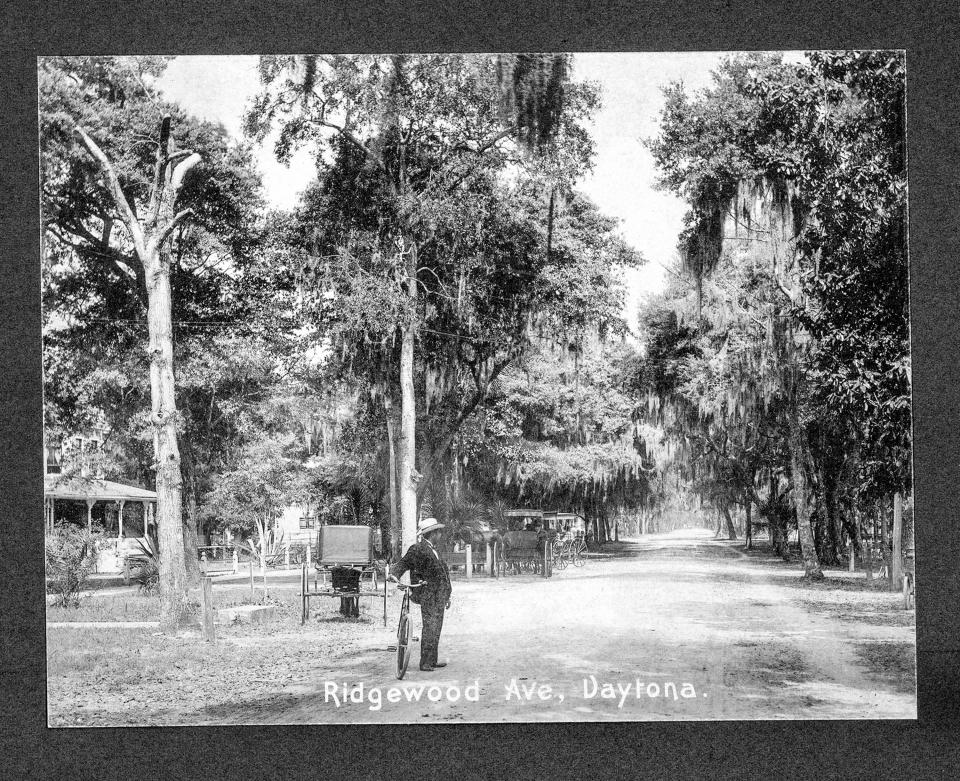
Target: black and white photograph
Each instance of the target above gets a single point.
(459, 388)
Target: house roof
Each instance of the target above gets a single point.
(82, 488)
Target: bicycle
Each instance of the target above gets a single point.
(403, 629)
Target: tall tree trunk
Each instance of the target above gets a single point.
(191, 544)
(884, 538)
(867, 555)
(749, 526)
(456, 489)
(173, 575)
(851, 525)
(799, 457)
(149, 238)
(731, 530)
(395, 535)
(408, 411)
(190, 541)
(828, 547)
(775, 521)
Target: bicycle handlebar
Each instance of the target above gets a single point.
(410, 585)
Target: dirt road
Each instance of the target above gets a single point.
(677, 626)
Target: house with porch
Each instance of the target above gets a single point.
(126, 512)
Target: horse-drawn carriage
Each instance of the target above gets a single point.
(541, 539)
(345, 567)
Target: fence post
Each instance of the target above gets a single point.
(206, 600)
(203, 562)
(251, 578)
(469, 566)
(264, 584)
(286, 556)
(236, 561)
(896, 566)
(853, 564)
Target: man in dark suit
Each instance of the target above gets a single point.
(426, 566)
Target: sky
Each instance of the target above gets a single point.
(218, 88)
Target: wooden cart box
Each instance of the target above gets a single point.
(344, 545)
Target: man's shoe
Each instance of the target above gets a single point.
(439, 664)
(426, 668)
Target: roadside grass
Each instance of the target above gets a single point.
(876, 608)
(96, 607)
(891, 662)
(138, 606)
(100, 676)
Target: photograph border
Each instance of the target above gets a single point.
(747, 749)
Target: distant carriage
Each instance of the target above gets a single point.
(533, 530)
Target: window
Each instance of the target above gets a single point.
(308, 522)
(54, 458)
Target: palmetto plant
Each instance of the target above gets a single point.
(146, 572)
(70, 558)
(464, 518)
(496, 515)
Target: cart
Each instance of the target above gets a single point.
(345, 567)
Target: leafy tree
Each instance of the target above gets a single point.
(124, 229)
(417, 138)
(797, 172)
(249, 498)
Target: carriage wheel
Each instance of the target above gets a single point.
(578, 560)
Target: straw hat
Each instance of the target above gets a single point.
(428, 525)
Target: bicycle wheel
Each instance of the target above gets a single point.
(403, 645)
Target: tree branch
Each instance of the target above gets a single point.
(181, 170)
(479, 151)
(170, 227)
(153, 210)
(116, 191)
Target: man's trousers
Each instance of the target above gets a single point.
(431, 611)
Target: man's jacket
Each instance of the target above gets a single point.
(425, 566)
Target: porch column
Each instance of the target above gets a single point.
(90, 503)
(120, 503)
(146, 516)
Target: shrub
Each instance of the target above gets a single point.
(145, 572)
(70, 557)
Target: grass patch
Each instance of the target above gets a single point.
(107, 676)
(893, 663)
(767, 663)
(885, 612)
(132, 607)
